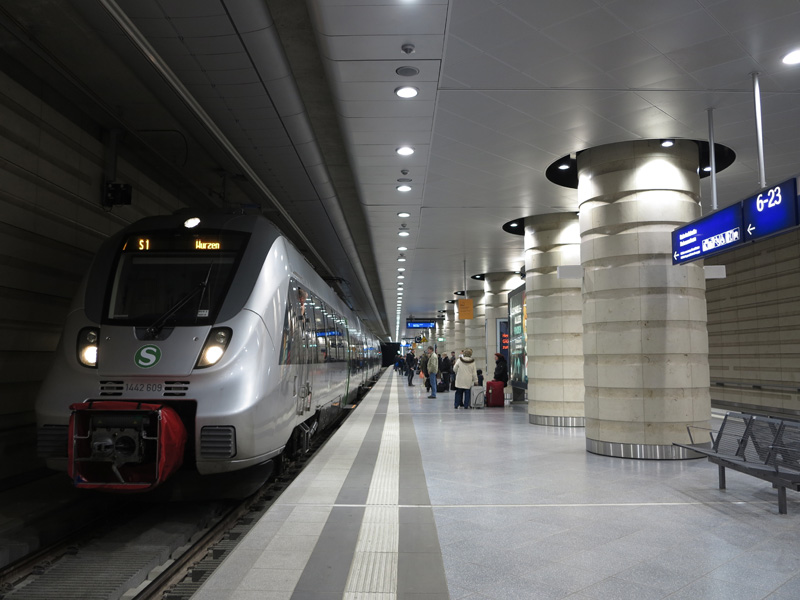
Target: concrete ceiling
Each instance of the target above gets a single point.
(305, 95)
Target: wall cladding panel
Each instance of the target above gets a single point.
(51, 223)
(754, 327)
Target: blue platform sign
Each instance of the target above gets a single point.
(717, 232)
(771, 211)
(420, 324)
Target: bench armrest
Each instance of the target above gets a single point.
(691, 437)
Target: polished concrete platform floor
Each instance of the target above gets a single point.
(412, 499)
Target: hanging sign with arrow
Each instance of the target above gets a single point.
(721, 230)
(771, 211)
(767, 213)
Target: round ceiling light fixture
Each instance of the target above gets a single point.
(403, 233)
(407, 91)
(404, 188)
(405, 151)
(403, 215)
(402, 248)
(667, 144)
(792, 58)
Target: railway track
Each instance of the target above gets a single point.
(145, 550)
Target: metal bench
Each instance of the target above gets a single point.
(764, 447)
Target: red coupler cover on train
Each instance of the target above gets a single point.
(494, 393)
(124, 446)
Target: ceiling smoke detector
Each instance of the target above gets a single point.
(407, 71)
(408, 48)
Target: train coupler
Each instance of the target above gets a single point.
(124, 446)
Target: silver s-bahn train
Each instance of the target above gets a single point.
(205, 344)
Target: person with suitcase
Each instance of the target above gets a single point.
(495, 390)
(466, 376)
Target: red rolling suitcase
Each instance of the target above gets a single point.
(494, 393)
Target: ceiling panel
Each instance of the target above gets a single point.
(506, 88)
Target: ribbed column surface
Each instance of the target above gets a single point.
(449, 328)
(644, 336)
(495, 293)
(458, 332)
(555, 326)
(475, 330)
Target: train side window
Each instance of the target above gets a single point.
(294, 326)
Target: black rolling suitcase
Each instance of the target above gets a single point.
(441, 386)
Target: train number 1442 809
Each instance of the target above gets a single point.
(144, 387)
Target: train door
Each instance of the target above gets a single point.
(297, 347)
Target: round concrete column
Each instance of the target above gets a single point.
(475, 330)
(644, 337)
(458, 331)
(495, 293)
(449, 328)
(555, 326)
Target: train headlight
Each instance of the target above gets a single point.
(216, 343)
(87, 346)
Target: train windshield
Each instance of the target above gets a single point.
(174, 279)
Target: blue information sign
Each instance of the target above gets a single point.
(721, 230)
(420, 324)
(771, 211)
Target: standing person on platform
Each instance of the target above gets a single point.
(411, 363)
(453, 360)
(466, 377)
(500, 368)
(445, 369)
(423, 369)
(433, 369)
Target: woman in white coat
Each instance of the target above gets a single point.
(466, 377)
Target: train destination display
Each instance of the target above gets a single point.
(772, 211)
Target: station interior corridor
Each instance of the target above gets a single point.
(520, 511)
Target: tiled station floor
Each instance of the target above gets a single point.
(412, 499)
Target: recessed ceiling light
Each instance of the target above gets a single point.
(401, 269)
(401, 276)
(667, 143)
(405, 151)
(563, 166)
(404, 188)
(403, 234)
(707, 169)
(402, 248)
(792, 58)
(406, 91)
(514, 225)
(403, 215)
(401, 259)
(192, 222)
